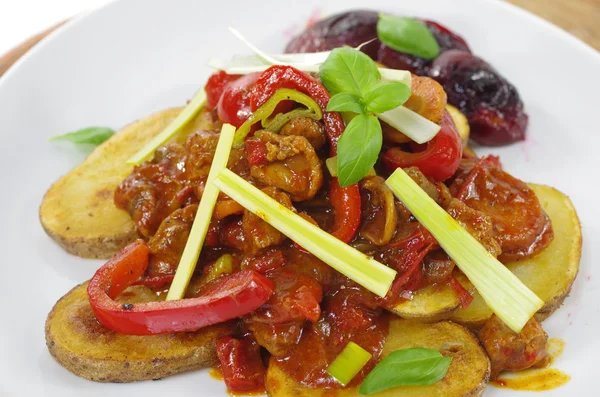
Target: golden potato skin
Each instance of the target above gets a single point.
(430, 304)
(78, 210)
(549, 274)
(83, 346)
(468, 374)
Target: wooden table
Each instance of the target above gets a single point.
(579, 17)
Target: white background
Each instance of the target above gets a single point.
(20, 19)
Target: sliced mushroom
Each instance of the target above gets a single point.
(379, 217)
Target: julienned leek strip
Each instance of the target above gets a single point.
(173, 128)
(503, 292)
(191, 252)
(355, 265)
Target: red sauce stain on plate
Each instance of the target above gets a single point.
(537, 379)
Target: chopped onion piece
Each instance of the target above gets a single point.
(411, 124)
(355, 265)
(503, 292)
(188, 113)
(191, 252)
(348, 363)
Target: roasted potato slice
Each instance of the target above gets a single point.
(78, 210)
(549, 274)
(430, 304)
(467, 376)
(80, 344)
(461, 123)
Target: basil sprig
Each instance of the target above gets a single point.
(354, 81)
(407, 35)
(408, 367)
(91, 136)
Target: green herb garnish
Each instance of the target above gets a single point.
(91, 136)
(355, 83)
(407, 35)
(358, 148)
(408, 367)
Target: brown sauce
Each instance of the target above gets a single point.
(541, 379)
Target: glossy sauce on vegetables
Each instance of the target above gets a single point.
(314, 311)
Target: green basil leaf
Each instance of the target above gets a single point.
(348, 70)
(346, 102)
(407, 35)
(91, 135)
(408, 367)
(358, 148)
(386, 96)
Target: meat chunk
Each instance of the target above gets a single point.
(277, 338)
(379, 217)
(200, 147)
(259, 234)
(437, 191)
(292, 165)
(478, 224)
(520, 224)
(166, 246)
(155, 189)
(510, 351)
(311, 129)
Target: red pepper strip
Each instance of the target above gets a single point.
(232, 297)
(279, 76)
(346, 203)
(345, 200)
(464, 296)
(438, 161)
(412, 261)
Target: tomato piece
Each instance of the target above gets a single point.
(234, 104)
(440, 158)
(216, 85)
(241, 364)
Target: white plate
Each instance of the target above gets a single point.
(134, 57)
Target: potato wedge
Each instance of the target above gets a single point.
(80, 344)
(461, 123)
(468, 374)
(549, 274)
(430, 304)
(78, 210)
